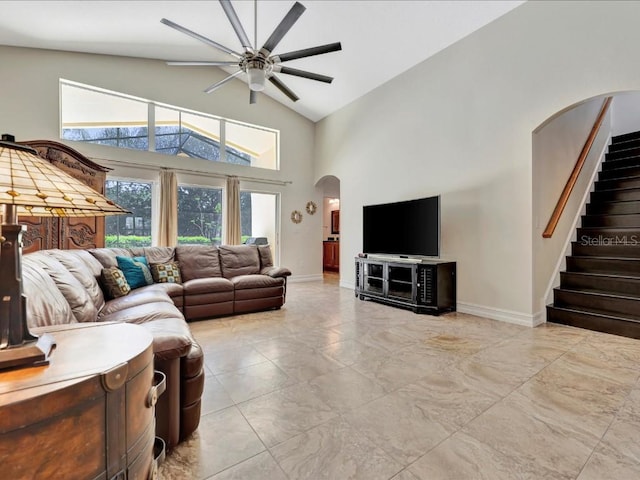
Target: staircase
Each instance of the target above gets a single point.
(601, 288)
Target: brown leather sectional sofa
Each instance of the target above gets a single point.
(63, 287)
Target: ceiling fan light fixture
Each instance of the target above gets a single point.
(257, 77)
(259, 64)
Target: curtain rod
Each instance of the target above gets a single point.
(197, 172)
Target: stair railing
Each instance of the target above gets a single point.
(573, 178)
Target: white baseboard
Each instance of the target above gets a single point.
(508, 316)
(305, 278)
(349, 285)
(540, 317)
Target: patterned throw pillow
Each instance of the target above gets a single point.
(136, 271)
(114, 282)
(166, 272)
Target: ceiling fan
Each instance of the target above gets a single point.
(259, 65)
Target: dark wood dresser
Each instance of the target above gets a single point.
(45, 233)
(89, 414)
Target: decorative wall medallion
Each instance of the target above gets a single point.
(311, 208)
(296, 216)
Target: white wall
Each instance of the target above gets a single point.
(626, 113)
(29, 110)
(460, 124)
(556, 147)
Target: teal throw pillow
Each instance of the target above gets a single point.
(136, 271)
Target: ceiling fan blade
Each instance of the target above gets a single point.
(253, 97)
(281, 30)
(197, 36)
(302, 73)
(283, 88)
(308, 52)
(195, 64)
(235, 23)
(222, 82)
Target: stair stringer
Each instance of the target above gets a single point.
(554, 280)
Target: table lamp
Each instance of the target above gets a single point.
(30, 185)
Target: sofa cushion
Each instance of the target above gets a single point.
(136, 252)
(171, 338)
(276, 272)
(239, 260)
(198, 261)
(194, 361)
(89, 260)
(171, 289)
(159, 254)
(77, 297)
(166, 272)
(145, 312)
(107, 256)
(256, 281)
(114, 283)
(266, 259)
(135, 270)
(207, 285)
(140, 296)
(45, 303)
(75, 262)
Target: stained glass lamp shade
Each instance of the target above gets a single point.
(30, 185)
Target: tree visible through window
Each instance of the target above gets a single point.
(199, 215)
(133, 230)
(135, 138)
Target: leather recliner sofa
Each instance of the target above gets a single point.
(63, 287)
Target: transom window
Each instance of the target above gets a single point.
(90, 114)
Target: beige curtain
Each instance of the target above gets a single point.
(233, 211)
(168, 225)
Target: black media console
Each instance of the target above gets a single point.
(422, 285)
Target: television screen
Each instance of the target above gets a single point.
(403, 228)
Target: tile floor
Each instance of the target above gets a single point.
(330, 387)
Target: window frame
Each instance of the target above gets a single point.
(155, 200)
(223, 200)
(151, 125)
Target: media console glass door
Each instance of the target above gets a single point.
(373, 278)
(401, 281)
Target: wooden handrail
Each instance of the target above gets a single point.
(573, 178)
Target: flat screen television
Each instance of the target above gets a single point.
(403, 228)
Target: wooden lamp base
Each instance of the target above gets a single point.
(29, 355)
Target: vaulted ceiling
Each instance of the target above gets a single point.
(380, 39)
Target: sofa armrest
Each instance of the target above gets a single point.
(171, 338)
(276, 272)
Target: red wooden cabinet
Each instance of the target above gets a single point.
(331, 256)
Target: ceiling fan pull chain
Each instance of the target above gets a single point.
(255, 23)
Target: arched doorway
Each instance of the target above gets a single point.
(329, 187)
(588, 152)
